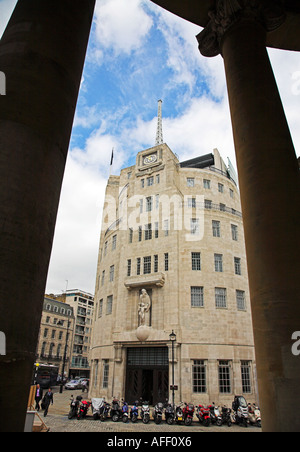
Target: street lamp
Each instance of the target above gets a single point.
(173, 340)
(60, 323)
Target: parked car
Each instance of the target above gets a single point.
(73, 384)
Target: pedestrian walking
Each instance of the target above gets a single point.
(48, 398)
(38, 397)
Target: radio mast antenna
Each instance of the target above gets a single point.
(159, 133)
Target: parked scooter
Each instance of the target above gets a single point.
(188, 413)
(240, 408)
(104, 411)
(125, 414)
(226, 416)
(134, 412)
(145, 413)
(203, 414)
(169, 414)
(116, 411)
(83, 409)
(74, 406)
(254, 415)
(215, 415)
(97, 405)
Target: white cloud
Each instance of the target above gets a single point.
(121, 24)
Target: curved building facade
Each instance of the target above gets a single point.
(172, 258)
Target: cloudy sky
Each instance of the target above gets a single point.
(138, 54)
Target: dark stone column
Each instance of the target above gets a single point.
(270, 187)
(42, 54)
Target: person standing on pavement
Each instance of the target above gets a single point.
(38, 397)
(48, 398)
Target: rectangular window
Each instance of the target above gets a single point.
(221, 297)
(241, 300)
(150, 181)
(234, 232)
(196, 261)
(190, 182)
(138, 266)
(224, 377)
(112, 273)
(156, 263)
(216, 227)
(166, 262)
(206, 184)
(140, 233)
(158, 178)
(109, 305)
(197, 297)
(237, 266)
(129, 267)
(149, 204)
(141, 205)
(147, 265)
(105, 373)
(219, 263)
(246, 377)
(221, 188)
(103, 278)
(166, 227)
(114, 242)
(195, 227)
(192, 203)
(148, 231)
(130, 235)
(199, 377)
(156, 202)
(156, 230)
(142, 183)
(100, 308)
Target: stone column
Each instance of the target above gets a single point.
(42, 54)
(269, 184)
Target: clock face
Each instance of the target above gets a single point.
(150, 159)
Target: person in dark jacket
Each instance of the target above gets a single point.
(48, 398)
(38, 397)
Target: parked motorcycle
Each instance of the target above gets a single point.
(203, 414)
(116, 411)
(134, 412)
(226, 416)
(240, 408)
(97, 405)
(125, 414)
(179, 414)
(83, 409)
(74, 406)
(145, 413)
(158, 413)
(188, 413)
(169, 414)
(254, 415)
(215, 415)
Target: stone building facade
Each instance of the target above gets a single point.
(172, 258)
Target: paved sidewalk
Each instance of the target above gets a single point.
(57, 420)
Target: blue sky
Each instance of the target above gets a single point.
(139, 53)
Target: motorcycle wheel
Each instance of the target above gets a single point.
(71, 415)
(158, 420)
(229, 423)
(134, 418)
(206, 422)
(146, 419)
(170, 420)
(115, 418)
(219, 422)
(188, 421)
(125, 419)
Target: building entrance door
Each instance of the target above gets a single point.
(147, 374)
